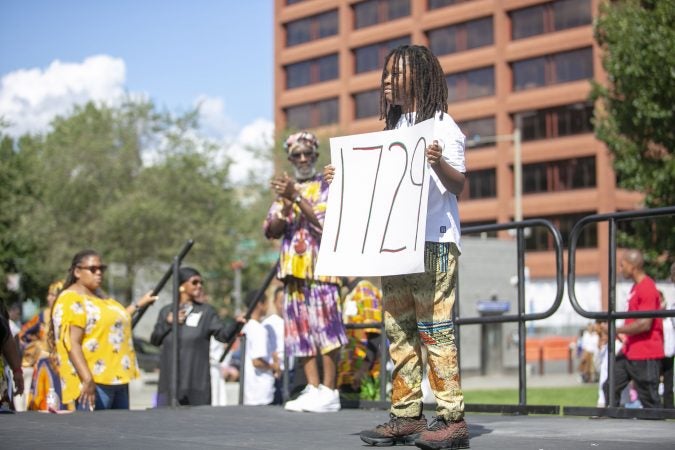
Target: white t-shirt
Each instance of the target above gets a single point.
(590, 342)
(442, 211)
(258, 384)
(275, 336)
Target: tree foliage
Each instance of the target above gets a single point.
(636, 117)
(128, 181)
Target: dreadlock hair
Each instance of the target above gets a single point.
(70, 280)
(428, 89)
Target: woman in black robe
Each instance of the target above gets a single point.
(197, 322)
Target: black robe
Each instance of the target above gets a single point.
(194, 377)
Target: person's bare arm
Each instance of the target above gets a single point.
(285, 188)
(452, 179)
(260, 363)
(279, 222)
(147, 299)
(11, 353)
(639, 326)
(76, 355)
(328, 173)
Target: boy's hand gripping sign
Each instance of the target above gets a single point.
(377, 204)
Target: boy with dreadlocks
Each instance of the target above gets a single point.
(418, 307)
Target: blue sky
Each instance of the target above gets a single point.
(174, 51)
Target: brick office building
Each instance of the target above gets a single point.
(504, 60)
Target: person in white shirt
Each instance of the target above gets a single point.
(418, 307)
(218, 388)
(260, 369)
(274, 324)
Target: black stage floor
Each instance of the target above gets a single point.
(242, 427)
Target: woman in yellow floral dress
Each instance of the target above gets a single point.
(92, 335)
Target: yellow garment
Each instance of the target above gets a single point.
(107, 342)
(363, 304)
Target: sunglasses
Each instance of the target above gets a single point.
(196, 282)
(93, 269)
(307, 154)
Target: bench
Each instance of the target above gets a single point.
(552, 348)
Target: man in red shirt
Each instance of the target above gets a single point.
(642, 351)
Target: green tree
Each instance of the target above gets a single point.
(635, 115)
(19, 196)
(128, 181)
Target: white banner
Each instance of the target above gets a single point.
(377, 204)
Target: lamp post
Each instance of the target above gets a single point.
(516, 138)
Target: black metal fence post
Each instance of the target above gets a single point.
(522, 330)
(242, 368)
(181, 255)
(174, 334)
(521, 317)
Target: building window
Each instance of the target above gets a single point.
(571, 13)
(312, 28)
(312, 71)
(372, 12)
(556, 122)
(465, 225)
(552, 69)
(550, 17)
(476, 130)
(540, 238)
(563, 175)
(311, 115)
(435, 4)
(480, 184)
(371, 57)
(460, 37)
(471, 84)
(367, 104)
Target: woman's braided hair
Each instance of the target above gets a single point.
(428, 88)
(70, 280)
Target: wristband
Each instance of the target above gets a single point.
(297, 199)
(18, 371)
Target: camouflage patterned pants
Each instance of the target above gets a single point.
(418, 310)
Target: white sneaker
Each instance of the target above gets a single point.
(309, 394)
(327, 400)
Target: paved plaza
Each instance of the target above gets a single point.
(272, 428)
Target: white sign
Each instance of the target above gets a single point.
(377, 204)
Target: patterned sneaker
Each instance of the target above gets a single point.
(444, 435)
(398, 431)
(308, 395)
(328, 400)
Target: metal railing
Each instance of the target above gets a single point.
(611, 314)
(160, 285)
(521, 317)
(175, 299)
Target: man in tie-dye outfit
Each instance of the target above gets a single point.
(312, 320)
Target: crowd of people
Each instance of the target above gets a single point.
(78, 352)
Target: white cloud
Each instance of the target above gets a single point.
(248, 148)
(251, 152)
(31, 98)
(213, 120)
